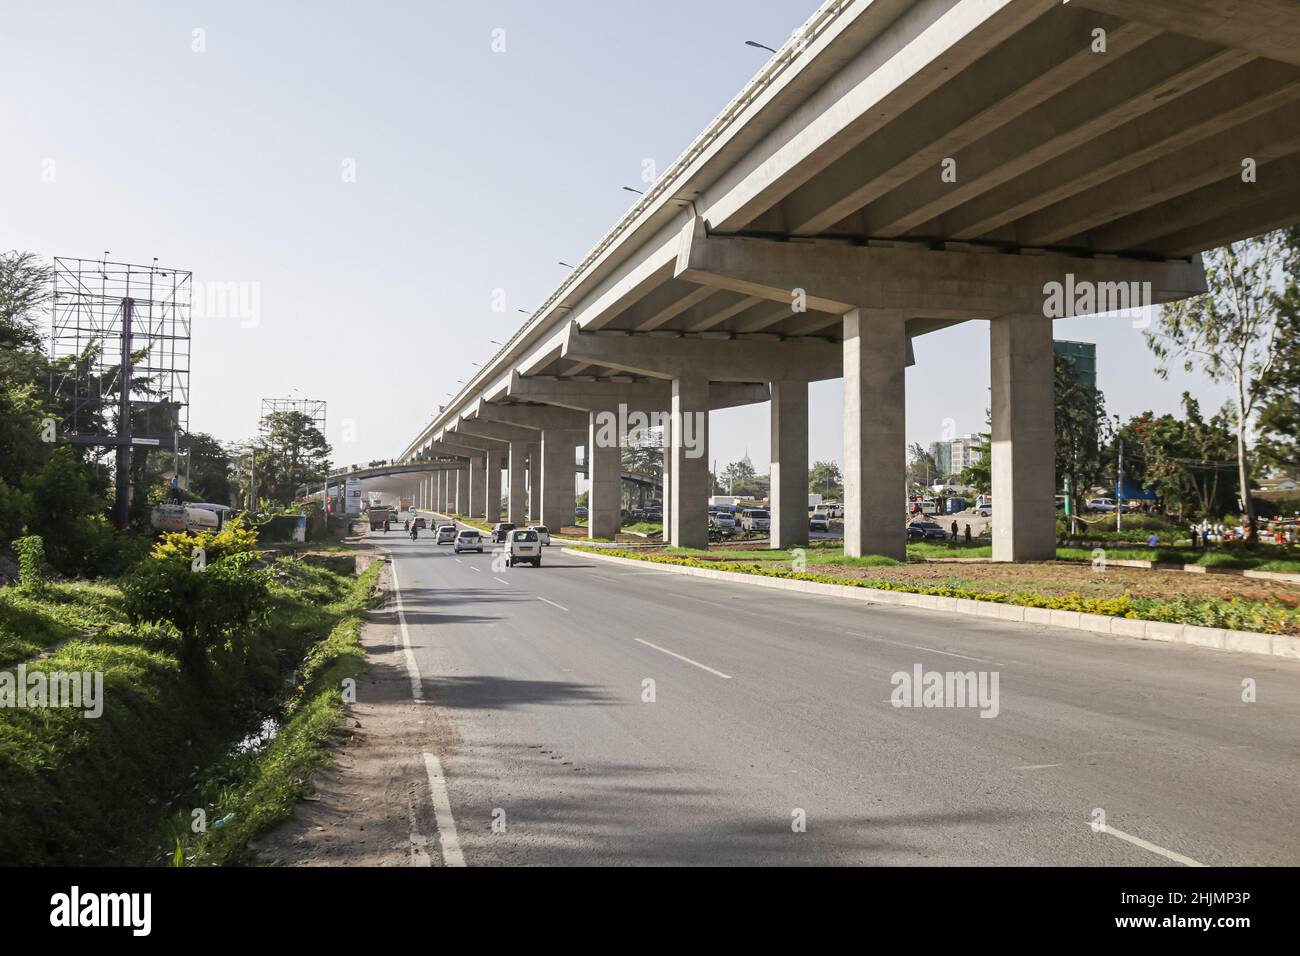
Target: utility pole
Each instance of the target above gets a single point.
(1119, 487)
(122, 477)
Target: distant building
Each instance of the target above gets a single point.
(966, 452)
(1084, 357)
(941, 452)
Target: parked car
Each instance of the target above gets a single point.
(723, 521)
(522, 544)
(500, 530)
(1101, 504)
(446, 534)
(543, 534)
(985, 510)
(818, 521)
(580, 511)
(926, 531)
(468, 539)
(756, 519)
(654, 516)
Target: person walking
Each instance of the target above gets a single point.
(968, 533)
(1194, 536)
(954, 529)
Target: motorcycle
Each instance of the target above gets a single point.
(415, 532)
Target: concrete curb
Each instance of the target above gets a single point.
(1271, 645)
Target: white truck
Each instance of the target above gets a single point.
(169, 518)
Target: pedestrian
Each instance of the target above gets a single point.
(954, 529)
(176, 489)
(968, 532)
(1194, 545)
(1152, 540)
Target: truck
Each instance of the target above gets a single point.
(168, 518)
(379, 516)
(403, 504)
(814, 502)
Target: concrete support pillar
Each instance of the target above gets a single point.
(789, 491)
(495, 462)
(462, 490)
(604, 473)
(518, 471)
(690, 464)
(875, 444)
(444, 492)
(477, 486)
(534, 481)
(667, 493)
(559, 447)
(437, 490)
(1024, 438)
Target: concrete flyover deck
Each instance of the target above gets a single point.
(899, 166)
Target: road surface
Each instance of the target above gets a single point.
(772, 737)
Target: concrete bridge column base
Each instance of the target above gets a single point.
(789, 490)
(690, 462)
(462, 491)
(477, 486)
(517, 479)
(1023, 445)
(535, 481)
(875, 444)
(668, 480)
(556, 489)
(495, 462)
(605, 464)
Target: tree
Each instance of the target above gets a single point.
(980, 474)
(1184, 460)
(921, 466)
(297, 454)
(25, 288)
(210, 469)
(1231, 333)
(1278, 424)
(1080, 412)
(825, 479)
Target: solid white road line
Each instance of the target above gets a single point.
(664, 650)
(1037, 766)
(451, 854)
(498, 579)
(552, 603)
(479, 570)
(412, 669)
(1158, 850)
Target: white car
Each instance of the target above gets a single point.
(723, 520)
(446, 534)
(1101, 504)
(817, 521)
(543, 534)
(756, 519)
(523, 544)
(467, 539)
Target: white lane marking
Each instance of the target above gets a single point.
(498, 579)
(1037, 766)
(479, 570)
(935, 650)
(1144, 844)
(451, 854)
(552, 603)
(664, 650)
(459, 561)
(412, 669)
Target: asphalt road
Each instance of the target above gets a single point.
(769, 708)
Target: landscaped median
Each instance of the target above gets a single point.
(1260, 626)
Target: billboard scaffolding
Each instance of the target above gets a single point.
(120, 359)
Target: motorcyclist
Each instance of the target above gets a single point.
(415, 530)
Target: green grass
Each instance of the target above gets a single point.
(261, 787)
(32, 623)
(89, 792)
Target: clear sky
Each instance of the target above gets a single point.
(474, 170)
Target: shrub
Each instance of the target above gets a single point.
(31, 562)
(235, 538)
(213, 606)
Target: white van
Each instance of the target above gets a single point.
(523, 544)
(755, 519)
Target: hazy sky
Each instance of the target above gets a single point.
(474, 170)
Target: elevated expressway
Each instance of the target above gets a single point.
(899, 166)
